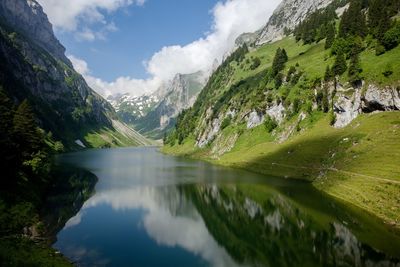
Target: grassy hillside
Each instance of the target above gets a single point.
(358, 164)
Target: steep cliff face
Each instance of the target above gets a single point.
(286, 17)
(28, 18)
(33, 67)
(156, 113)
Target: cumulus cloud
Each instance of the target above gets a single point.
(79, 15)
(230, 19)
(120, 85)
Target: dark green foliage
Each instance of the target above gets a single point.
(340, 65)
(278, 80)
(279, 61)
(379, 50)
(332, 117)
(270, 124)
(291, 72)
(22, 146)
(296, 77)
(238, 55)
(296, 105)
(317, 26)
(330, 35)
(226, 122)
(388, 71)
(255, 64)
(328, 74)
(322, 99)
(391, 38)
(379, 18)
(353, 21)
(25, 131)
(355, 70)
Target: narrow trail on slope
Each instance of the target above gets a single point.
(339, 171)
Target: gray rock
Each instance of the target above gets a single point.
(27, 16)
(384, 99)
(347, 108)
(277, 112)
(288, 15)
(254, 119)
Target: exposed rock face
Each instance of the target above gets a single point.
(247, 38)
(254, 119)
(384, 99)
(287, 16)
(351, 103)
(27, 17)
(347, 108)
(173, 97)
(210, 133)
(277, 112)
(33, 66)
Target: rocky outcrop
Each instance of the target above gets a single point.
(254, 119)
(350, 103)
(210, 133)
(277, 112)
(27, 17)
(347, 107)
(33, 66)
(287, 16)
(384, 99)
(174, 96)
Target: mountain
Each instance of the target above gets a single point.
(286, 17)
(154, 114)
(320, 104)
(33, 66)
(130, 108)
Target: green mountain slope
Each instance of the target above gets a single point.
(306, 109)
(33, 67)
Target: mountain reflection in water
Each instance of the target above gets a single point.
(174, 212)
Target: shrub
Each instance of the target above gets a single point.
(256, 63)
(226, 122)
(270, 124)
(391, 39)
(332, 118)
(388, 71)
(379, 49)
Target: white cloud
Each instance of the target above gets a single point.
(80, 15)
(231, 18)
(120, 85)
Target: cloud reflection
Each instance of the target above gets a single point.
(170, 219)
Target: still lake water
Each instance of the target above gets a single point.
(149, 209)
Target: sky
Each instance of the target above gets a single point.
(133, 46)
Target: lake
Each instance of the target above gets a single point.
(150, 209)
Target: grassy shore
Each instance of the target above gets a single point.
(359, 164)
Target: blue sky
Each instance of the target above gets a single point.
(135, 46)
(142, 31)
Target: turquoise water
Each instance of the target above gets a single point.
(149, 209)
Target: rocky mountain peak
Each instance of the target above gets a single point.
(28, 17)
(287, 16)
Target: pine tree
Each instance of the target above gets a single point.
(378, 18)
(355, 70)
(279, 61)
(7, 146)
(330, 35)
(340, 65)
(285, 57)
(25, 129)
(353, 21)
(328, 74)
